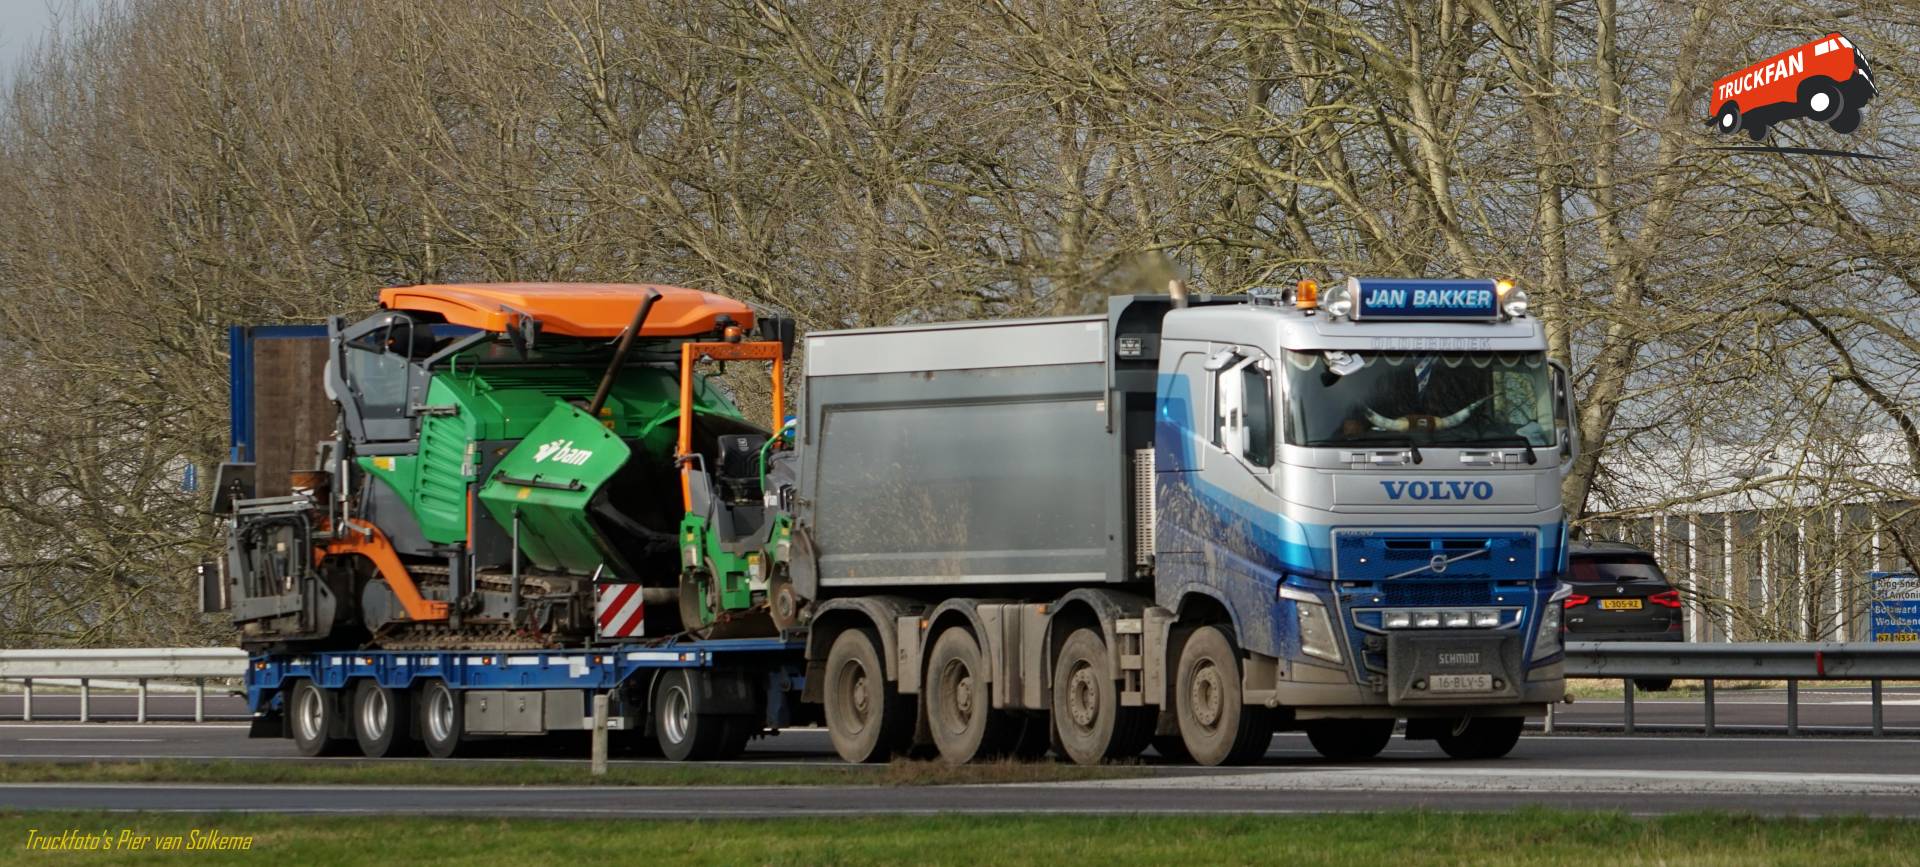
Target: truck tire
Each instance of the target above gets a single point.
(443, 720)
(1349, 740)
(1217, 727)
(1089, 725)
(380, 721)
(959, 697)
(313, 714)
(739, 730)
(1481, 737)
(1172, 748)
(686, 733)
(867, 717)
(1034, 738)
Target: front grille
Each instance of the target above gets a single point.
(1437, 593)
(1377, 555)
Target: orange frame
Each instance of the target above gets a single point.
(758, 350)
(366, 540)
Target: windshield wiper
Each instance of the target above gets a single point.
(1513, 440)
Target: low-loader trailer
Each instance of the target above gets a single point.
(1184, 524)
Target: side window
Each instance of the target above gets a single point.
(378, 378)
(1243, 411)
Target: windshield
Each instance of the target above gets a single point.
(1622, 571)
(1434, 398)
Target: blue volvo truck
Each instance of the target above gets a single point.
(1184, 524)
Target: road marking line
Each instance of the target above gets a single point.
(95, 740)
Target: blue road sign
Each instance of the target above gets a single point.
(1895, 608)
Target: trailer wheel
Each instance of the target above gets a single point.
(1481, 737)
(960, 701)
(1349, 740)
(443, 720)
(686, 734)
(867, 718)
(1089, 724)
(314, 714)
(1217, 727)
(380, 720)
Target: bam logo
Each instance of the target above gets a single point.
(563, 452)
(1826, 80)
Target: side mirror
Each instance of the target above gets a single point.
(1565, 422)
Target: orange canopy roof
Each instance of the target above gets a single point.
(570, 309)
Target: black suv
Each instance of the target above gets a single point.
(1620, 594)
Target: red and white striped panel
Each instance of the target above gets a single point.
(617, 608)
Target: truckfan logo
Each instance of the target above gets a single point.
(1826, 80)
(1438, 490)
(562, 451)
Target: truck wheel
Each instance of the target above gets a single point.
(960, 710)
(686, 734)
(1847, 121)
(1173, 748)
(1217, 728)
(443, 720)
(1481, 737)
(380, 722)
(867, 718)
(1034, 739)
(314, 714)
(1088, 723)
(1728, 120)
(1821, 99)
(1350, 740)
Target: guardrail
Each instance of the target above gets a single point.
(1791, 662)
(1626, 661)
(140, 665)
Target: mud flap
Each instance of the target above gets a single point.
(548, 481)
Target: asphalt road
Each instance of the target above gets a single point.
(1647, 774)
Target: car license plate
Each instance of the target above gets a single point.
(1620, 604)
(1460, 682)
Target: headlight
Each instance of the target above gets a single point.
(1546, 638)
(1317, 637)
(1339, 307)
(1516, 303)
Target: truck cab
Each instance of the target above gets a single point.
(1368, 490)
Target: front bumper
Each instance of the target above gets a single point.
(1326, 692)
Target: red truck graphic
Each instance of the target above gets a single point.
(1827, 80)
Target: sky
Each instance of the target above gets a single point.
(22, 23)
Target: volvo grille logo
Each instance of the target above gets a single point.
(1438, 563)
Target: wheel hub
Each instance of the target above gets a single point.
(1083, 697)
(373, 714)
(1206, 696)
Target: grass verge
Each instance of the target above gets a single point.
(426, 773)
(1404, 839)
